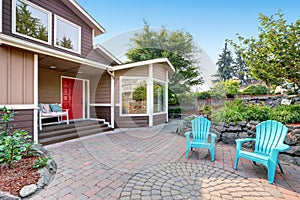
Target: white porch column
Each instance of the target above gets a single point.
(167, 95)
(35, 98)
(150, 95)
(112, 100)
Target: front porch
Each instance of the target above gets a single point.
(76, 129)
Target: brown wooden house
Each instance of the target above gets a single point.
(47, 56)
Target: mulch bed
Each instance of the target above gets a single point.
(21, 174)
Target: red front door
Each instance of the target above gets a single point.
(72, 97)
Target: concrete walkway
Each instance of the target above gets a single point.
(150, 163)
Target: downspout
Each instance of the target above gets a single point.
(112, 97)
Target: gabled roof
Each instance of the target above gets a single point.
(146, 62)
(107, 53)
(87, 18)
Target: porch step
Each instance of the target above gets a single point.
(63, 132)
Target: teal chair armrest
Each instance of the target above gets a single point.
(213, 137)
(276, 150)
(239, 142)
(187, 134)
(282, 147)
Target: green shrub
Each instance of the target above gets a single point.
(286, 113)
(255, 90)
(231, 112)
(203, 95)
(13, 143)
(257, 112)
(41, 162)
(231, 87)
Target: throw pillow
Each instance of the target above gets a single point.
(55, 108)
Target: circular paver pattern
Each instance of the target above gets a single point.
(191, 181)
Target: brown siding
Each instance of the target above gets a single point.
(101, 113)
(49, 86)
(100, 88)
(159, 72)
(159, 119)
(58, 8)
(16, 77)
(23, 119)
(131, 121)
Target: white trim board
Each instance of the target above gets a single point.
(12, 41)
(145, 62)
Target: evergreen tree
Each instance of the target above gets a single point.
(241, 70)
(225, 68)
(28, 25)
(65, 42)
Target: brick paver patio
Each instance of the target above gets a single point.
(150, 163)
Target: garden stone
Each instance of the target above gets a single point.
(292, 139)
(294, 150)
(229, 138)
(242, 124)
(45, 177)
(287, 158)
(234, 129)
(28, 190)
(243, 135)
(7, 196)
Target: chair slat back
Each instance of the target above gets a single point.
(200, 129)
(269, 134)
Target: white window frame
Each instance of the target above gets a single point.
(120, 95)
(14, 4)
(56, 17)
(165, 93)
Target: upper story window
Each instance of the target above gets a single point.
(31, 21)
(67, 35)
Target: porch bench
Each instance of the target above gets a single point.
(52, 111)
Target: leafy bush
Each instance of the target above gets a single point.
(41, 162)
(231, 112)
(13, 144)
(286, 113)
(203, 95)
(257, 112)
(237, 111)
(231, 87)
(140, 93)
(255, 90)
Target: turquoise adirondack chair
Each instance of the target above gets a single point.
(200, 132)
(269, 139)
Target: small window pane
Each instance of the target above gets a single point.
(31, 21)
(67, 35)
(134, 96)
(159, 97)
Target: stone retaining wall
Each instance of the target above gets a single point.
(227, 133)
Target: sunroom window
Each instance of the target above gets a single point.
(158, 97)
(134, 96)
(32, 21)
(67, 35)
